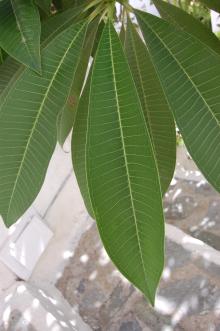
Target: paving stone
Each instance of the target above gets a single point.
(189, 289)
(194, 207)
(130, 326)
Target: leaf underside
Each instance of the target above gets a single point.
(20, 32)
(156, 110)
(190, 74)
(79, 145)
(121, 171)
(45, 5)
(187, 22)
(67, 115)
(28, 124)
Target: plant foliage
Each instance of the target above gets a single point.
(119, 84)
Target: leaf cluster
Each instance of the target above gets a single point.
(119, 90)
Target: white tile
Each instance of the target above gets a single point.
(25, 245)
(59, 169)
(68, 219)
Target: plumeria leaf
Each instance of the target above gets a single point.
(20, 31)
(28, 122)
(156, 110)
(121, 169)
(190, 74)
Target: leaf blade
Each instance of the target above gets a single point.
(188, 23)
(212, 4)
(118, 168)
(20, 34)
(28, 136)
(78, 145)
(156, 110)
(45, 5)
(67, 115)
(195, 101)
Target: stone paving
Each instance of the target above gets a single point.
(194, 207)
(188, 298)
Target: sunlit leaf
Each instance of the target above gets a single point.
(121, 168)
(190, 75)
(28, 122)
(20, 31)
(158, 116)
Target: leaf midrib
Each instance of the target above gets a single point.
(21, 32)
(125, 157)
(182, 68)
(37, 118)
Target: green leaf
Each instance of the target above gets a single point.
(20, 32)
(11, 69)
(122, 34)
(121, 168)
(190, 74)
(158, 116)
(57, 23)
(45, 5)
(212, 4)
(74, 3)
(9, 72)
(188, 23)
(1, 57)
(67, 115)
(97, 38)
(28, 122)
(79, 145)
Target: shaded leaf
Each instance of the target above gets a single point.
(20, 32)
(28, 122)
(11, 69)
(1, 57)
(190, 75)
(45, 5)
(212, 4)
(158, 116)
(122, 174)
(97, 38)
(122, 34)
(67, 115)
(9, 72)
(187, 22)
(57, 23)
(79, 145)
